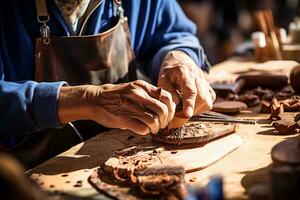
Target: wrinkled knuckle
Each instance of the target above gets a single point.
(167, 95)
(144, 131)
(140, 82)
(165, 109)
(152, 121)
(191, 91)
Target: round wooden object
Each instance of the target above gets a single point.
(287, 152)
(295, 78)
(229, 106)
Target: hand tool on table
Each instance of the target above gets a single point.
(210, 116)
(217, 117)
(250, 80)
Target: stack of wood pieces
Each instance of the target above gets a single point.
(134, 174)
(266, 24)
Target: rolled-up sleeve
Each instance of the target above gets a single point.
(27, 106)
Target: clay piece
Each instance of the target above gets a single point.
(291, 105)
(295, 78)
(263, 92)
(286, 126)
(248, 98)
(194, 132)
(164, 181)
(229, 106)
(265, 106)
(276, 109)
(267, 97)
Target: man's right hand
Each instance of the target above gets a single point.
(138, 106)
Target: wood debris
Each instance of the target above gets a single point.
(127, 162)
(276, 109)
(163, 181)
(287, 124)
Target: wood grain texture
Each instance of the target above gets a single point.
(241, 169)
(62, 172)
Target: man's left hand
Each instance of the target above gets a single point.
(185, 81)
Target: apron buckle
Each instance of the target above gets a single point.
(45, 30)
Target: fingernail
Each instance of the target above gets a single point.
(189, 112)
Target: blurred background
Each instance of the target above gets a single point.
(225, 25)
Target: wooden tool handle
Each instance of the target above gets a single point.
(271, 81)
(238, 85)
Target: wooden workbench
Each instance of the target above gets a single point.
(241, 169)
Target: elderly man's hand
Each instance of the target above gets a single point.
(180, 73)
(138, 106)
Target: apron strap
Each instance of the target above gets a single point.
(118, 10)
(43, 17)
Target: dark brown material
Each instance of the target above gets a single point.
(285, 183)
(164, 181)
(161, 182)
(265, 106)
(249, 99)
(287, 152)
(229, 106)
(274, 81)
(297, 118)
(276, 109)
(295, 78)
(106, 185)
(262, 92)
(291, 105)
(194, 132)
(96, 60)
(259, 191)
(14, 183)
(284, 94)
(286, 126)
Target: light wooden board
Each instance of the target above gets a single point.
(241, 169)
(63, 171)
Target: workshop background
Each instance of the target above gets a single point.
(224, 25)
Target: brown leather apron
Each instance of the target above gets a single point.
(93, 59)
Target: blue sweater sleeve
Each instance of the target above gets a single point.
(27, 106)
(174, 31)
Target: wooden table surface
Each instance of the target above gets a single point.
(241, 169)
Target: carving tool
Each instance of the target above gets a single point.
(217, 117)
